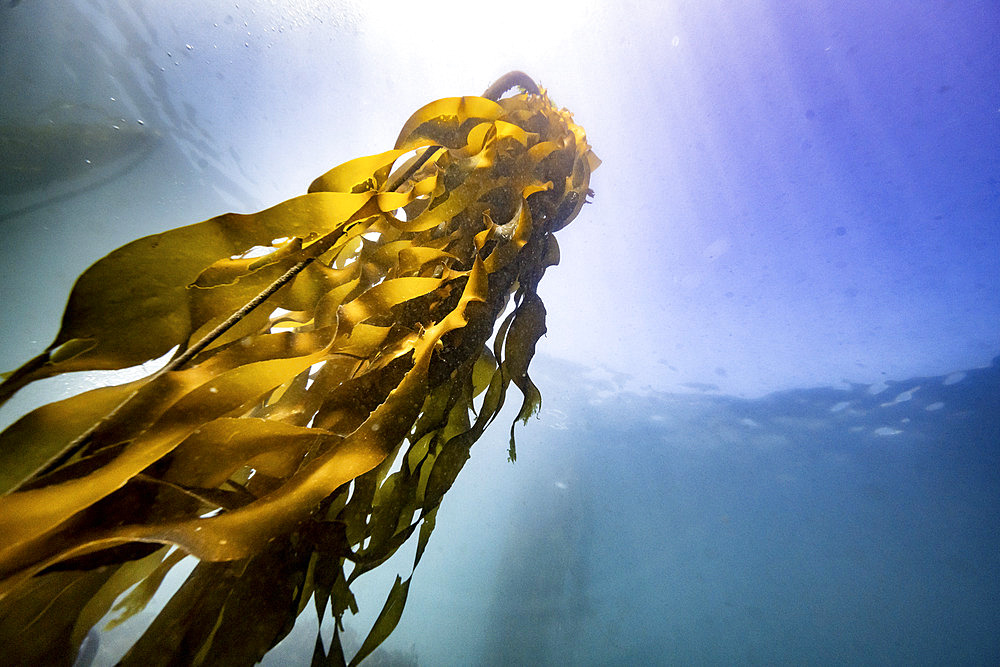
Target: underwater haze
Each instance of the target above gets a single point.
(770, 430)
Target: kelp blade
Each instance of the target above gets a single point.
(316, 342)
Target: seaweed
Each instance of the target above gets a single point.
(333, 360)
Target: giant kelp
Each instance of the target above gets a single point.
(333, 360)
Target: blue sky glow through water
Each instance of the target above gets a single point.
(792, 194)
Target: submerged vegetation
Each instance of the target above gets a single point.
(333, 360)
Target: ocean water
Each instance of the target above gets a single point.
(819, 527)
(810, 527)
(771, 397)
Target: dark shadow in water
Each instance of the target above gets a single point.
(49, 160)
(540, 620)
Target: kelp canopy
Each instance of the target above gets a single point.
(319, 401)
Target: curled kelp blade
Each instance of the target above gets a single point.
(322, 396)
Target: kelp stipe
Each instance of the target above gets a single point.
(317, 343)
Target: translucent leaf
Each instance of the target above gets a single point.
(31, 441)
(387, 620)
(319, 343)
(139, 597)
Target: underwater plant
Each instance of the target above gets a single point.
(331, 366)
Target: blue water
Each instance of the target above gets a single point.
(817, 527)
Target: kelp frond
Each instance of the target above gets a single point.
(316, 342)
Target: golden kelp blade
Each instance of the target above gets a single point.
(317, 342)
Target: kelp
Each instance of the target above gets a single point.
(333, 360)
